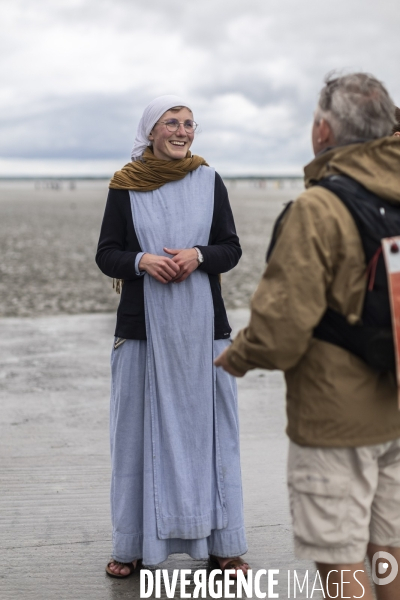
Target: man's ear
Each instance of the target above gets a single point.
(397, 134)
(325, 132)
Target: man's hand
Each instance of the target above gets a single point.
(162, 268)
(185, 259)
(221, 361)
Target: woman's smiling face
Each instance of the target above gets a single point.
(174, 145)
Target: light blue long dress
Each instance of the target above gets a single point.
(176, 481)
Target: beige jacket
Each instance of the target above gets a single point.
(333, 397)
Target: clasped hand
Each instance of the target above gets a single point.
(170, 270)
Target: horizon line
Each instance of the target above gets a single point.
(107, 177)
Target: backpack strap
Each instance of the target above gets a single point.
(276, 227)
(372, 341)
(372, 215)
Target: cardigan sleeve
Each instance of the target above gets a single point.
(112, 257)
(223, 251)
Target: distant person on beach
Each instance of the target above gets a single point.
(167, 234)
(396, 128)
(310, 318)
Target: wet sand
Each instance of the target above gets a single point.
(55, 530)
(48, 241)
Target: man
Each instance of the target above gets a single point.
(343, 416)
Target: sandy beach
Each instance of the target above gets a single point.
(48, 240)
(54, 391)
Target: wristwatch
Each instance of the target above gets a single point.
(200, 257)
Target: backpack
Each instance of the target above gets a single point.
(372, 340)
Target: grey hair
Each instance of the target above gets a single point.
(357, 107)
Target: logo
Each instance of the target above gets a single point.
(382, 567)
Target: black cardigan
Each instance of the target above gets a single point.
(118, 247)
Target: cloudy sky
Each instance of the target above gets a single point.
(76, 75)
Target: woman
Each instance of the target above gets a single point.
(167, 232)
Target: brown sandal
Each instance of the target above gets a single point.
(130, 566)
(235, 563)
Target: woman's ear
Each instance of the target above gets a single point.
(150, 136)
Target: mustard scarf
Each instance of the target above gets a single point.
(150, 173)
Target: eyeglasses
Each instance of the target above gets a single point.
(173, 125)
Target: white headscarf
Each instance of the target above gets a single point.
(151, 114)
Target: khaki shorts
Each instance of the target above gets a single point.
(343, 498)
